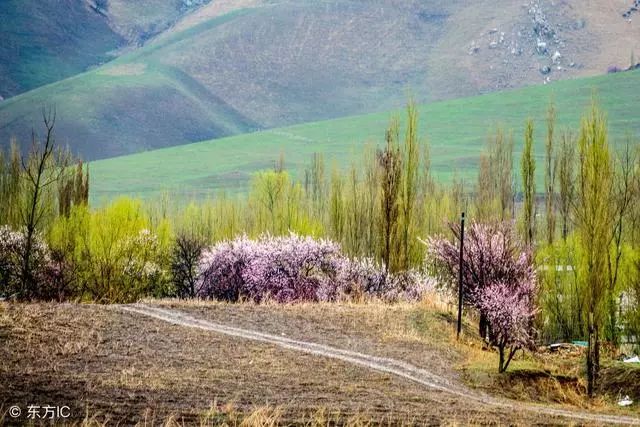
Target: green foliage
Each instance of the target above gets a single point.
(278, 204)
(378, 208)
(630, 301)
(527, 172)
(336, 206)
(594, 214)
(390, 164)
(562, 295)
(73, 188)
(116, 256)
(409, 191)
(10, 186)
(596, 296)
(494, 190)
(550, 168)
(566, 178)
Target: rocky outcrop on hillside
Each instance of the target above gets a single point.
(635, 7)
(137, 32)
(535, 42)
(545, 37)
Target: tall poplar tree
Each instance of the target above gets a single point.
(528, 169)
(593, 212)
(550, 166)
(409, 186)
(390, 164)
(566, 177)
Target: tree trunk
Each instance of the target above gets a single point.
(596, 358)
(613, 321)
(483, 325)
(593, 356)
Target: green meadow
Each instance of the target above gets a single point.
(456, 132)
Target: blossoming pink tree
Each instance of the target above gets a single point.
(499, 280)
(510, 311)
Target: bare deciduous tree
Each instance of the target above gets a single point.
(41, 169)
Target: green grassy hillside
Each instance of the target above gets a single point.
(456, 130)
(222, 70)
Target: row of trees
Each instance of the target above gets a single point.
(376, 208)
(583, 230)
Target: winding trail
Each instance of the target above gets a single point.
(380, 364)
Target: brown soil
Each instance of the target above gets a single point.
(126, 368)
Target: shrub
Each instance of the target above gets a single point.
(114, 254)
(409, 285)
(221, 269)
(360, 277)
(12, 248)
(284, 269)
(59, 282)
(185, 254)
(295, 268)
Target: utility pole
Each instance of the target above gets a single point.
(460, 277)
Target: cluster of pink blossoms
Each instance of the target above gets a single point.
(498, 275)
(296, 268)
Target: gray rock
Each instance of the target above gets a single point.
(545, 70)
(541, 47)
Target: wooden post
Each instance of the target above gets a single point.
(460, 296)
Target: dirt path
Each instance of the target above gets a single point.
(380, 364)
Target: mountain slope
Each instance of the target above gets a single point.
(44, 41)
(275, 63)
(456, 130)
(130, 104)
(41, 44)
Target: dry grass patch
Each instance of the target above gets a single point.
(544, 377)
(619, 379)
